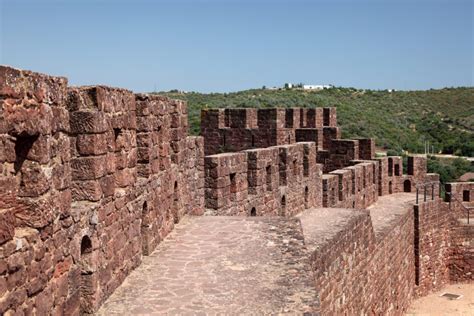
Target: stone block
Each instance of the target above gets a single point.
(88, 168)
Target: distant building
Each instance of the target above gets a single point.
(316, 87)
(288, 85)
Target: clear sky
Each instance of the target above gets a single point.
(210, 45)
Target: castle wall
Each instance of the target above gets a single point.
(390, 173)
(341, 152)
(280, 180)
(310, 135)
(37, 230)
(92, 178)
(366, 148)
(431, 226)
(461, 256)
(460, 194)
(408, 252)
(231, 130)
(460, 198)
(349, 268)
(354, 186)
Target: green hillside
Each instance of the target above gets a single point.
(399, 121)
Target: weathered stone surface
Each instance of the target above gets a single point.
(94, 178)
(222, 265)
(73, 204)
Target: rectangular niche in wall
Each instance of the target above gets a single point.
(466, 196)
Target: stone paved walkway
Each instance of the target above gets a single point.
(239, 265)
(221, 265)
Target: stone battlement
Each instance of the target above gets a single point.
(94, 178)
(245, 128)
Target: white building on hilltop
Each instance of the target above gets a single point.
(316, 87)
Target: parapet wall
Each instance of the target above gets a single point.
(355, 285)
(266, 179)
(279, 180)
(230, 130)
(460, 198)
(92, 178)
(377, 261)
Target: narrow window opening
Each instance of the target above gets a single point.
(144, 229)
(86, 245)
(176, 203)
(373, 173)
(306, 197)
(253, 141)
(283, 206)
(353, 178)
(407, 186)
(305, 166)
(390, 187)
(397, 169)
(390, 167)
(466, 196)
(87, 282)
(282, 169)
(253, 211)
(410, 166)
(117, 133)
(117, 139)
(23, 145)
(268, 171)
(233, 186)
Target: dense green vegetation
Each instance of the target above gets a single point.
(449, 169)
(399, 121)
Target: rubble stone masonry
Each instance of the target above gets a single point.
(94, 178)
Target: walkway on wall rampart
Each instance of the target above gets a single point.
(386, 211)
(237, 265)
(240, 265)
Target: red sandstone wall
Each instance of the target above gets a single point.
(432, 224)
(234, 129)
(460, 198)
(279, 180)
(92, 178)
(390, 175)
(352, 187)
(36, 224)
(357, 272)
(461, 257)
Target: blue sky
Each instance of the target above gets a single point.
(210, 45)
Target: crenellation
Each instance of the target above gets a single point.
(366, 148)
(330, 134)
(94, 178)
(90, 166)
(310, 135)
(341, 152)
